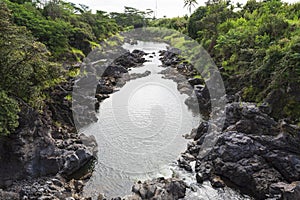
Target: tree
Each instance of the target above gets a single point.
(189, 4)
(24, 69)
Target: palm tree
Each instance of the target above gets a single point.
(190, 4)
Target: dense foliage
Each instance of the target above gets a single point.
(25, 71)
(68, 31)
(177, 23)
(35, 41)
(257, 48)
(132, 17)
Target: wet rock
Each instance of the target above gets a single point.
(134, 76)
(76, 160)
(139, 53)
(114, 71)
(129, 60)
(199, 178)
(252, 151)
(184, 164)
(101, 97)
(103, 89)
(205, 169)
(160, 188)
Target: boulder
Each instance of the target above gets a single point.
(253, 151)
(167, 189)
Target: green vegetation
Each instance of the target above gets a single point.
(177, 23)
(25, 71)
(132, 17)
(63, 27)
(36, 40)
(257, 46)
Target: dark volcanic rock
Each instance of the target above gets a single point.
(285, 191)
(253, 151)
(129, 60)
(40, 148)
(196, 81)
(114, 71)
(103, 89)
(167, 189)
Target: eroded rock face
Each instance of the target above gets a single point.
(253, 151)
(33, 152)
(101, 79)
(54, 188)
(286, 191)
(40, 148)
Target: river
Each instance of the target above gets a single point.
(139, 133)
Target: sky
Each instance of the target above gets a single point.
(168, 8)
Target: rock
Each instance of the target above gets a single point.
(129, 60)
(57, 182)
(137, 52)
(134, 76)
(285, 191)
(199, 178)
(101, 97)
(8, 195)
(288, 164)
(76, 160)
(184, 164)
(100, 197)
(195, 81)
(217, 182)
(201, 130)
(103, 89)
(184, 88)
(160, 188)
(117, 198)
(114, 71)
(252, 151)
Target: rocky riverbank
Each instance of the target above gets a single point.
(40, 152)
(40, 160)
(253, 152)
